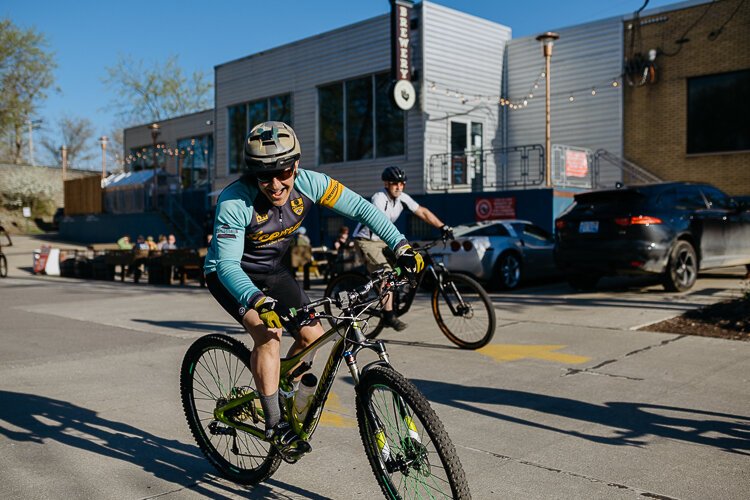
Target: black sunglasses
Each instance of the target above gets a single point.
(281, 175)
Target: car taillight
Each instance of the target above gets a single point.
(467, 245)
(560, 224)
(637, 220)
(455, 246)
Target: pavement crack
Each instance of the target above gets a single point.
(593, 370)
(640, 492)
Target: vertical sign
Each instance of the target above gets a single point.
(576, 163)
(404, 94)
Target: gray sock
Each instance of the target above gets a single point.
(271, 409)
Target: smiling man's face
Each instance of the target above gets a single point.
(278, 188)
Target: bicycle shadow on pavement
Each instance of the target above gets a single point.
(631, 422)
(37, 419)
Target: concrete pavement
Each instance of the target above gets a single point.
(567, 402)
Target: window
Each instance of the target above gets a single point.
(716, 198)
(195, 154)
(242, 117)
(358, 120)
(718, 107)
(489, 230)
(459, 141)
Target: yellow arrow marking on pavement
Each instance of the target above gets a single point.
(513, 352)
(334, 413)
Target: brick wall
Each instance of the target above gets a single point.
(655, 116)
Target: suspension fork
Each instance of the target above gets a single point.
(449, 290)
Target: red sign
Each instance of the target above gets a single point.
(576, 163)
(495, 208)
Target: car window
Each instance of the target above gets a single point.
(536, 233)
(490, 230)
(689, 198)
(716, 198)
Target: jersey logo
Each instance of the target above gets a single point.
(261, 218)
(267, 238)
(332, 193)
(298, 206)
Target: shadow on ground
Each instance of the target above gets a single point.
(630, 423)
(40, 420)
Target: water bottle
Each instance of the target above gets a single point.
(303, 396)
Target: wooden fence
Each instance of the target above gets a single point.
(83, 196)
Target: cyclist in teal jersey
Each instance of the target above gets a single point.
(256, 218)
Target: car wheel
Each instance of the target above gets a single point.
(583, 282)
(682, 268)
(508, 271)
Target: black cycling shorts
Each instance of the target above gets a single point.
(279, 284)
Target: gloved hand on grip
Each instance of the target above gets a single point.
(265, 307)
(446, 232)
(409, 261)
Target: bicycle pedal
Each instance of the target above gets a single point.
(300, 449)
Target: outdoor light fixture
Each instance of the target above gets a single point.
(548, 40)
(103, 141)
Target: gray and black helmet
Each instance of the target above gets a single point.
(271, 147)
(393, 174)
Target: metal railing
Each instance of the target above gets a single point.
(515, 167)
(631, 172)
(191, 231)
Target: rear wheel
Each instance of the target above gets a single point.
(350, 281)
(509, 271)
(409, 450)
(682, 268)
(463, 311)
(3, 266)
(216, 369)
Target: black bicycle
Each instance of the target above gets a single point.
(407, 446)
(3, 260)
(461, 307)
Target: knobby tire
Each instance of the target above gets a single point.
(211, 368)
(429, 466)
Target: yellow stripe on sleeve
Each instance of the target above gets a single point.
(332, 193)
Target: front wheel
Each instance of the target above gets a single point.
(350, 281)
(463, 311)
(3, 266)
(682, 268)
(406, 444)
(215, 370)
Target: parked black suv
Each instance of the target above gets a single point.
(673, 229)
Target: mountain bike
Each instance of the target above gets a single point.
(461, 307)
(3, 260)
(407, 446)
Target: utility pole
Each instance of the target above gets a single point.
(548, 40)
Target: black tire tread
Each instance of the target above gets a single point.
(237, 348)
(3, 266)
(471, 283)
(385, 375)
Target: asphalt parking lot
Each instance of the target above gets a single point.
(569, 400)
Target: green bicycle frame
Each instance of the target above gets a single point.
(305, 428)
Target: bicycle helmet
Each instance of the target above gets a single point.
(271, 147)
(393, 174)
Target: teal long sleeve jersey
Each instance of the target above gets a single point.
(251, 235)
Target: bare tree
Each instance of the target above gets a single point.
(25, 75)
(152, 94)
(77, 134)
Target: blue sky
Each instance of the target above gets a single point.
(87, 36)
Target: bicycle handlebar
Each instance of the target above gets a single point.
(349, 298)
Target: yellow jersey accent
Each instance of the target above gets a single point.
(261, 218)
(332, 193)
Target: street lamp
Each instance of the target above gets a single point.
(64, 154)
(103, 141)
(32, 125)
(154, 127)
(548, 40)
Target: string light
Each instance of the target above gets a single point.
(522, 101)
